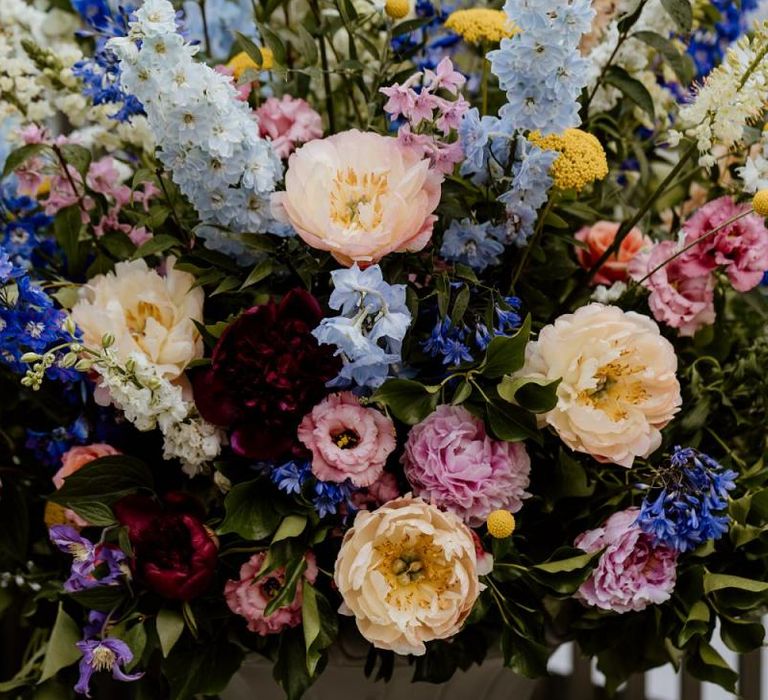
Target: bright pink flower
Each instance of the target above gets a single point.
(741, 248)
(679, 301)
(250, 595)
(451, 462)
(633, 573)
(347, 440)
(288, 122)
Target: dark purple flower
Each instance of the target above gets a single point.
(93, 565)
(103, 655)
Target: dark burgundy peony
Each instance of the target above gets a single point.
(175, 555)
(267, 372)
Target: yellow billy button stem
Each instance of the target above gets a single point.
(760, 203)
(501, 524)
(397, 9)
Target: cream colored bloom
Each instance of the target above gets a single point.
(618, 388)
(146, 313)
(408, 573)
(359, 196)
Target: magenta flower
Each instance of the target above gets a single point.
(103, 655)
(632, 573)
(451, 462)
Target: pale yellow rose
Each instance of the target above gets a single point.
(145, 312)
(618, 388)
(360, 196)
(408, 573)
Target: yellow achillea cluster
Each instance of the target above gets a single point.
(242, 62)
(480, 24)
(582, 161)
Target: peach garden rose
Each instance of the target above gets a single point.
(598, 238)
(360, 196)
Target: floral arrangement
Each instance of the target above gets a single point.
(438, 325)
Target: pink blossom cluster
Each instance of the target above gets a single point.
(288, 122)
(683, 289)
(430, 121)
(633, 572)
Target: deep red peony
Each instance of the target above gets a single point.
(175, 555)
(266, 374)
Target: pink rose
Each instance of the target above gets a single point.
(288, 123)
(347, 440)
(75, 459)
(250, 596)
(633, 573)
(741, 248)
(598, 239)
(451, 462)
(679, 301)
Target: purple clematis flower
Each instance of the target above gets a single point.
(103, 655)
(93, 565)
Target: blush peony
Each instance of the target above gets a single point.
(347, 440)
(633, 572)
(598, 238)
(619, 386)
(451, 462)
(146, 312)
(250, 596)
(408, 573)
(359, 196)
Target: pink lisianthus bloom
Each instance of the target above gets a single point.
(598, 238)
(741, 248)
(75, 459)
(633, 572)
(249, 596)
(347, 440)
(288, 122)
(679, 301)
(451, 462)
(378, 493)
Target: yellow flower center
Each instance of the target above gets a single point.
(103, 658)
(480, 24)
(138, 317)
(616, 388)
(346, 440)
(356, 200)
(415, 569)
(582, 161)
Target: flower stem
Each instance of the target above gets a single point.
(484, 86)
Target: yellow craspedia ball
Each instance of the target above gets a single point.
(760, 203)
(582, 161)
(501, 524)
(397, 9)
(480, 24)
(242, 62)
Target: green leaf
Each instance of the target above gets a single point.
(22, 154)
(170, 625)
(410, 25)
(274, 42)
(631, 88)
(105, 479)
(159, 243)
(136, 639)
(250, 511)
(697, 624)
(506, 355)
(717, 582)
(253, 51)
(203, 670)
(533, 394)
(293, 572)
(66, 227)
(524, 655)
(307, 44)
(511, 423)
(460, 305)
(291, 526)
(290, 670)
(682, 64)
(707, 665)
(78, 157)
(319, 623)
(572, 563)
(95, 513)
(61, 651)
(462, 393)
(261, 271)
(103, 598)
(681, 12)
(410, 401)
(741, 636)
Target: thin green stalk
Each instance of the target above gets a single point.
(324, 62)
(534, 240)
(484, 85)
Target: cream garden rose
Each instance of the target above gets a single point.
(359, 196)
(146, 312)
(408, 573)
(619, 386)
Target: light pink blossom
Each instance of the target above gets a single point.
(633, 572)
(288, 122)
(451, 462)
(679, 301)
(444, 76)
(347, 440)
(250, 596)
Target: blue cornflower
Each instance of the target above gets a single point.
(49, 446)
(475, 245)
(291, 476)
(328, 496)
(509, 318)
(456, 352)
(448, 340)
(688, 506)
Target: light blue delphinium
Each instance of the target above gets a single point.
(370, 330)
(475, 245)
